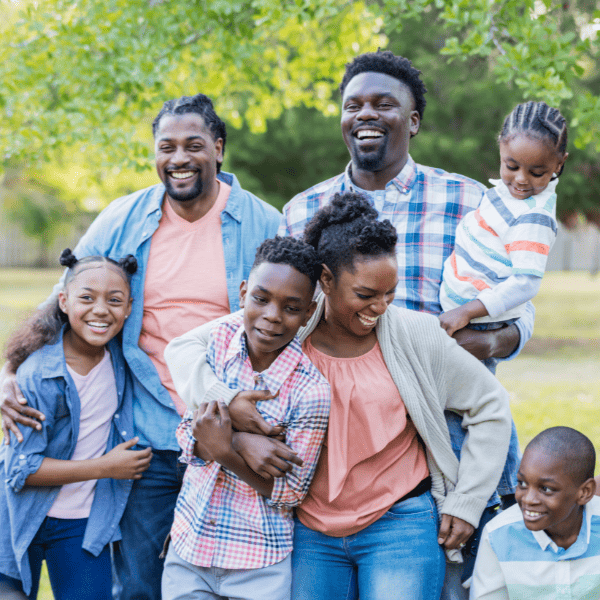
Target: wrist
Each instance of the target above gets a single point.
(99, 467)
(223, 454)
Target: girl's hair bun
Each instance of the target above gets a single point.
(129, 264)
(67, 258)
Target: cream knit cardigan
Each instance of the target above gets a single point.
(432, 373)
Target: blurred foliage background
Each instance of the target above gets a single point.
(83, 79)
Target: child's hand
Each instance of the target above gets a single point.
(123, 463)
(245, 417)
(266, 456)
(453, 320)
(459, 318)
(212, 430)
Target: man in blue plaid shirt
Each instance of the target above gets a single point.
(382, 107)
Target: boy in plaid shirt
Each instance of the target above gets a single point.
(232, 532)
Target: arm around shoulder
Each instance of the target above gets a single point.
(194, 379)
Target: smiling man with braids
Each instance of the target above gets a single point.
(194, 236)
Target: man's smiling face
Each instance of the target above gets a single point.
(186, 156)
(378, 120)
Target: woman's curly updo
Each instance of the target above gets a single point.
(347, 229)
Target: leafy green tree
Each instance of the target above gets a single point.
(82, 81)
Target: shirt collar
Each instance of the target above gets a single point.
(404, 181)
(281, 369)
(234, 202)
(580, 545)
(52, 358)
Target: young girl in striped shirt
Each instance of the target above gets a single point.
(501, 249)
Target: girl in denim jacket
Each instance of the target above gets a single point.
(61, 494)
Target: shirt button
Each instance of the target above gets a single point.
(212, 522)
(116, 415)
(123, 433)
(22, 456)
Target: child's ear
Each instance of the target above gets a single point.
(586, 491)
(561, 164)
(243, 290)
(326, 280)
(309, 313)
(129, 305)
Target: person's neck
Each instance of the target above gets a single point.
(566, 537)
(261, 362)
(336, 341)
(193, 210)
(376, 180)
(81, 357)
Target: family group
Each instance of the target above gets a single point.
(218, 401)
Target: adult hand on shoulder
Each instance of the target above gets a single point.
(454, 532)
(123, 463)
(245, 416)
(497, 343)
(14, 409)
(266, 456)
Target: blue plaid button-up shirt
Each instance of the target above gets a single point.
(424, 205)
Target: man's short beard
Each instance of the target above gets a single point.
(193, 193)
(371, 161)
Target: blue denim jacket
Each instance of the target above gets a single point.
(126, 227)
(47, 386)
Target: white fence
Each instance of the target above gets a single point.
(18, 250)
(574, 250)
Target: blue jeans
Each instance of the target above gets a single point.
(145, 525)
(395, 558)
(74, 572)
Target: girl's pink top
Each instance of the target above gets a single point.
(372, 455)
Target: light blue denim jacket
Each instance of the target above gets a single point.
(47, 386)
(126, 227)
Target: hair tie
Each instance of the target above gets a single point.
(67, 258)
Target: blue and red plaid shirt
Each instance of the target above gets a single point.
(220, 520)
(424, 205)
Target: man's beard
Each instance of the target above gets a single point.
(371, 161)
(185, 196)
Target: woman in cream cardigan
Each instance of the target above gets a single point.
(369, 524)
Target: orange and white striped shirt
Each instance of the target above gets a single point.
(500, 253)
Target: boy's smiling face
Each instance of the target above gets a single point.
(277, 301)
(548, 497)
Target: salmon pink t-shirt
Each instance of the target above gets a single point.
(98, 399)
(372, 455)
(186, 282)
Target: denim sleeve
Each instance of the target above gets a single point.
(24, 458)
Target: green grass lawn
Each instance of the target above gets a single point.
(555, 381)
